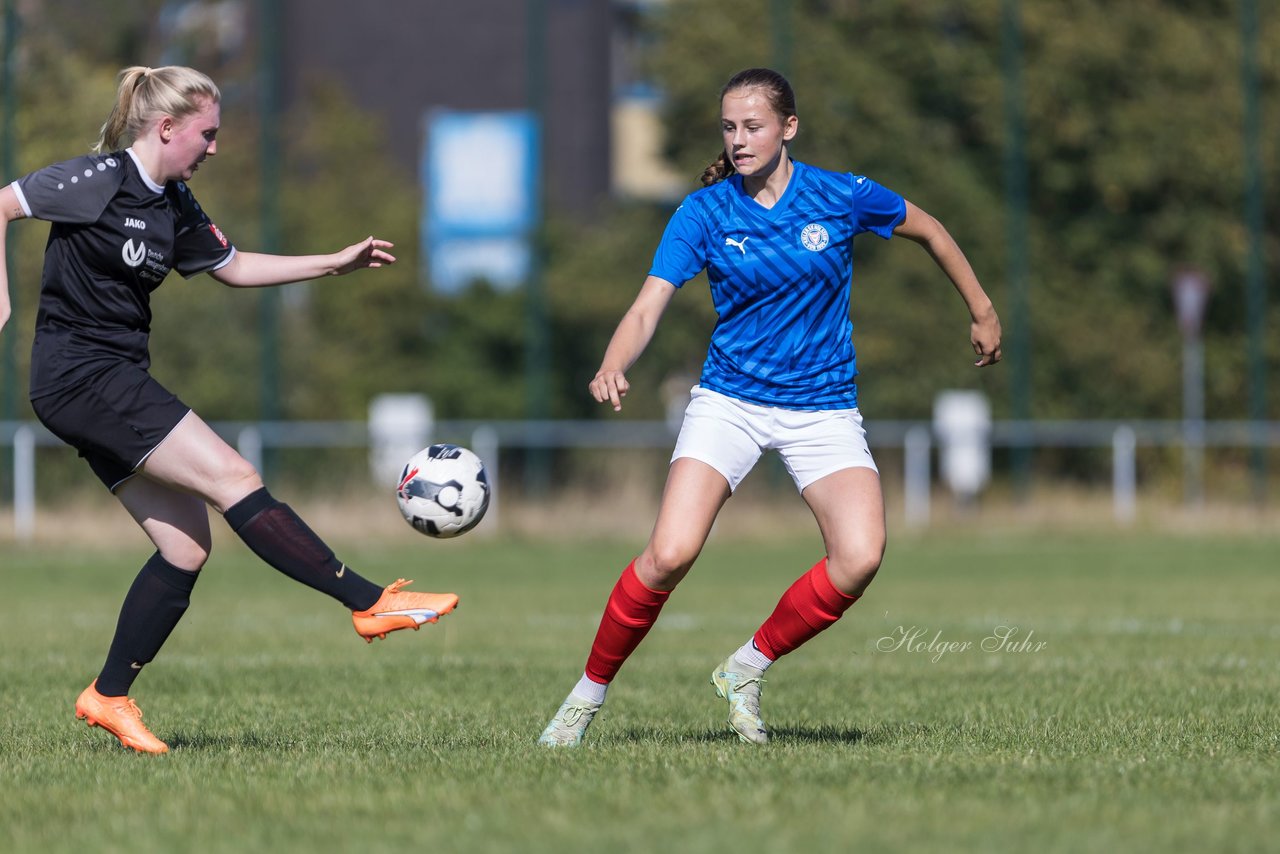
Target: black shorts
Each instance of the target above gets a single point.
(115, 419)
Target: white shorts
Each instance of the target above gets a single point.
(730, 435)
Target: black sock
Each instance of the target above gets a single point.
(278, 536)
(152, 607)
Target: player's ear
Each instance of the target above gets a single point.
(166, 128)
(790, 127)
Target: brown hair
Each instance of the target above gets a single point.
(146, 94)
(781, 98)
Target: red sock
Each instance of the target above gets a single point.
(809, 606)
(630, 613)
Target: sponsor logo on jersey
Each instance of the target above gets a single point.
(814, 237)
(133, 255)
(132, 222)
(741, 244)
(218, 234)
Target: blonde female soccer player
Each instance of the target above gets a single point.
(122, 218)
(775, 237)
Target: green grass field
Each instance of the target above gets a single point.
(1140, 714)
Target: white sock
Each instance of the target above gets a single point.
(588, 689)
(750, 655)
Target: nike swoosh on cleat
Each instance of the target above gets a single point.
(135, 665)
(342, 571)
(416, 613)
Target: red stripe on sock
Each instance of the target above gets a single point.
(631, 611)
(808, 607)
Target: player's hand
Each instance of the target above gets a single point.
(984, 333)
(610, 387)
(369, 252)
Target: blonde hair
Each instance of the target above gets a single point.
(146, 94)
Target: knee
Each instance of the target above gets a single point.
(241, 472)
(237, 479)
(188, 554)
(853, 568)
(662, 565)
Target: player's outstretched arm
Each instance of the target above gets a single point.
(984, 327)
(256, 270)
(9, 211)
(629, 340)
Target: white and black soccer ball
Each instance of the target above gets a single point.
(444, 491)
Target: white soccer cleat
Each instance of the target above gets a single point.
(740, 685)
(570, 723)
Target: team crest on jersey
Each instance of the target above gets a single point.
(814, 237)
(218, 234)
(133, 255)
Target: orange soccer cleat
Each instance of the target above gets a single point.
(396, 610)
(119, 716)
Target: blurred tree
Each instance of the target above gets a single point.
(1134, 117)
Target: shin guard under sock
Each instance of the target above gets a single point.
(631, 611)
(275, 533)
(809, 606)
(152, 608)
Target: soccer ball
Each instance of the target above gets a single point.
(444, 491)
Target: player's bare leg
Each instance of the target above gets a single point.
(849, 508)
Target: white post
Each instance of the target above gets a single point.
(1193, 420)
(1190, 297)
(249, 444)
(400, 425)
(962, 423)
(1124, 477)
(484, 441)
(915, 476)
(24, 483)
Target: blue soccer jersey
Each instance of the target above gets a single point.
(780, 281)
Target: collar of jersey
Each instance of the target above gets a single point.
(146, 179)
(784, 201)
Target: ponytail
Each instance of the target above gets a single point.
(146, 94)
(113, 129)
(718, 171)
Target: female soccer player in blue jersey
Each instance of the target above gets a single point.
(121, 220)
(774, 236)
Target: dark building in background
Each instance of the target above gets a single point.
(582, 62)
(402, 58)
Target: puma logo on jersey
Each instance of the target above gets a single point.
(130, 222)
(741, 244)
(133, 255)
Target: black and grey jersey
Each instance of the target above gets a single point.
(114, 236)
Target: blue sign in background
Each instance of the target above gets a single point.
(480, 197)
